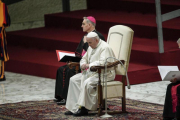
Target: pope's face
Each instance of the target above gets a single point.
(85, 26)
(92, 42)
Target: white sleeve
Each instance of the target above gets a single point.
(105, 53)
(84, 59)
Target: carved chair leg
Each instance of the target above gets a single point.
(123, 105)
(100, 101)
(124, 95)
(103, 103)
(99, 93)
(99, 111)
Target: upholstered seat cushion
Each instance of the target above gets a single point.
(114, 89)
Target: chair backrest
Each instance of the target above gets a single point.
(120, 39)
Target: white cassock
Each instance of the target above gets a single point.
(82, 86)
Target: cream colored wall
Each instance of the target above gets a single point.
(78, 5)
(30, 13)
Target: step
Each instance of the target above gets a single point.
(46, 38)
(171, 57)
(146, 51)
(57, 38)
(44, 64)
(143, 49)
(32, 62)
(144, 25)
(151, 45)
(164, 2)
(142, 6)
(138, 73)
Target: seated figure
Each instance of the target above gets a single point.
(82, 93)
(64, 72)
(172, 101)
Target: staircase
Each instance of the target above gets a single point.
(33, 51)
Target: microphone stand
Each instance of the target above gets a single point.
(106, 115)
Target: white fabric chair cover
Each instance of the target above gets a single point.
(120, 39)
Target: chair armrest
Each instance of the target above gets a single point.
(72, 64)
(95, 68)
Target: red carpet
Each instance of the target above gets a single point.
(33, 51)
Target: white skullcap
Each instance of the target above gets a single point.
(91, 34)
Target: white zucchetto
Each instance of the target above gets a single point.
(92, 34)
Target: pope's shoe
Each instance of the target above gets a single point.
(81, 112)
(68, 113)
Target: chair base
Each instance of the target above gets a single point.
(106, 115)
(112, 112)
(117, 112)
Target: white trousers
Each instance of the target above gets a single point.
(83, 92)
(84, 95)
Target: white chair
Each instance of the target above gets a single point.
(120, 39)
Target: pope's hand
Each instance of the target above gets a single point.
(85, 66)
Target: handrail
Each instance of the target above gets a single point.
(161, 18)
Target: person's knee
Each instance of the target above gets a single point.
(88, 84)
(75, 78)
(71, 80)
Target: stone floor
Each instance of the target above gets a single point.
(20, 87)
